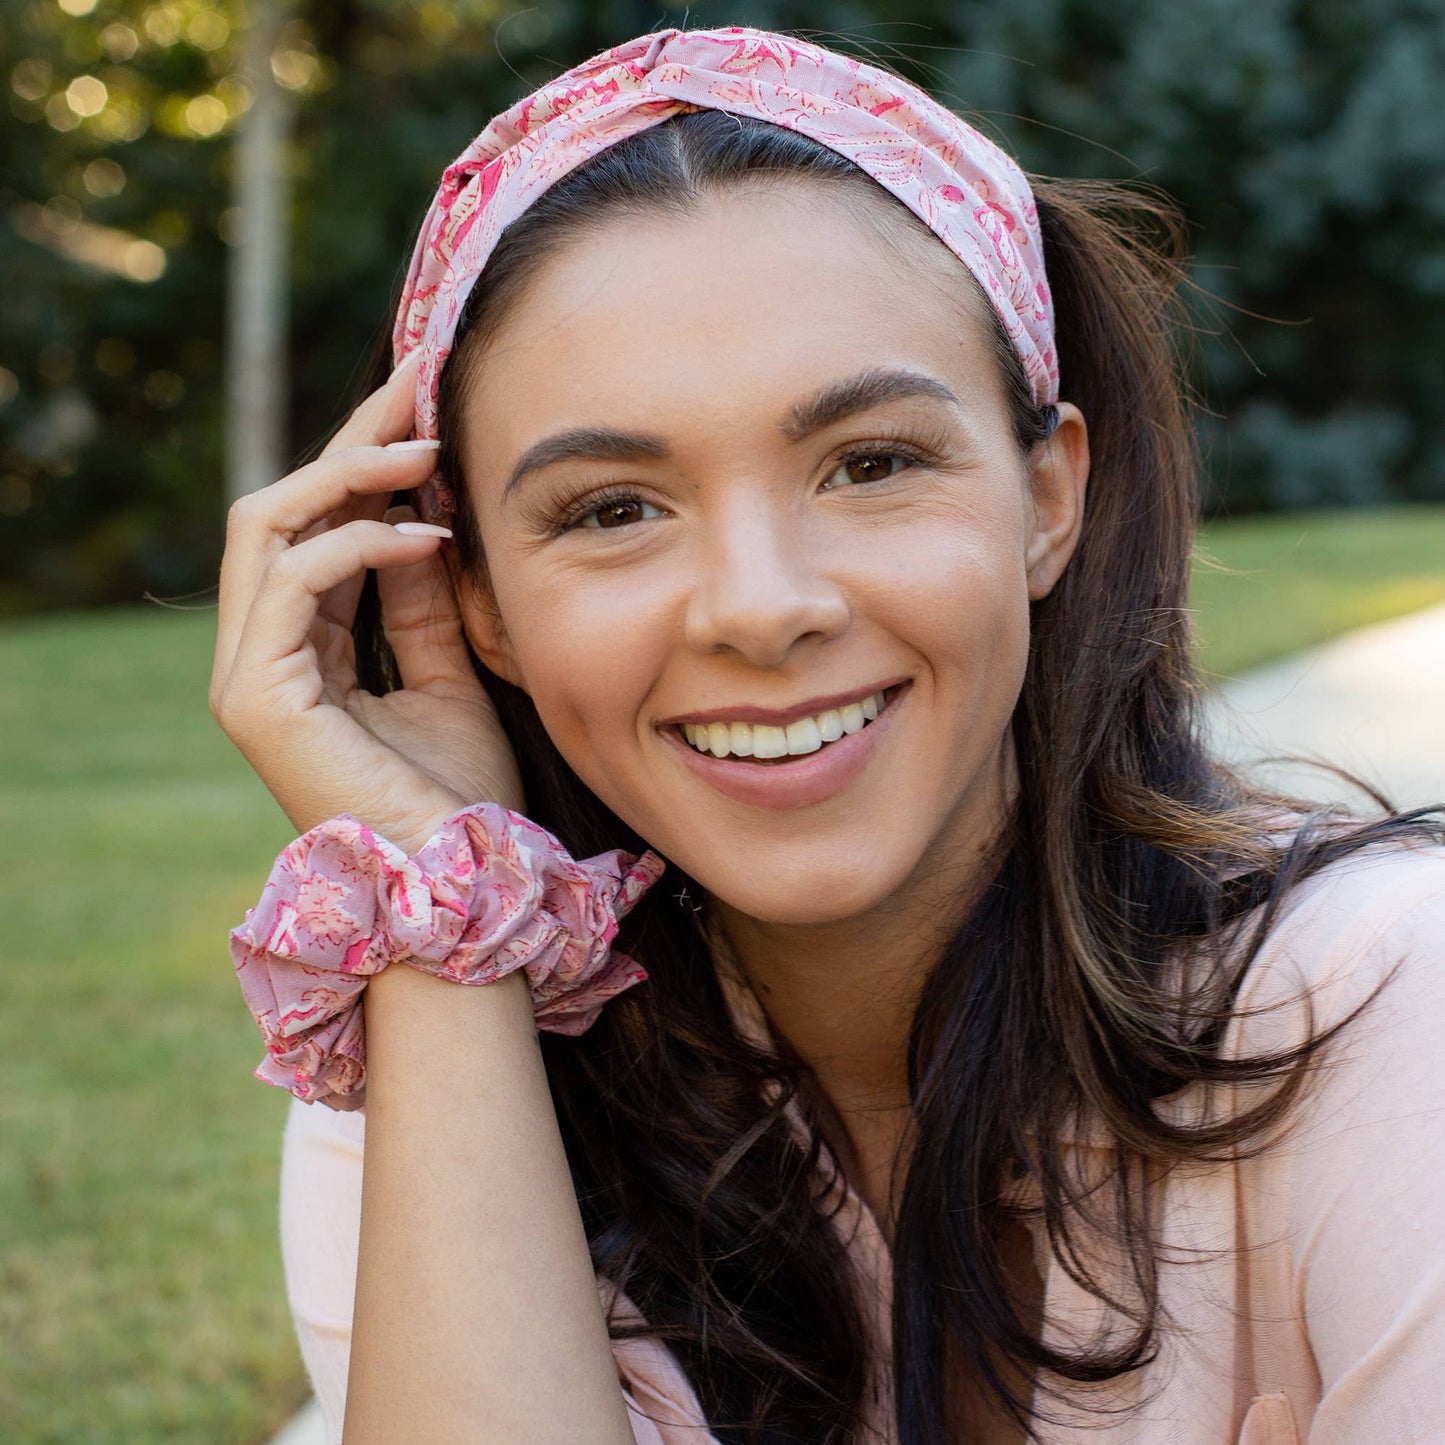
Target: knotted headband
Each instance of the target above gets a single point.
(970, 193)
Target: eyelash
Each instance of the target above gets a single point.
(571, 516)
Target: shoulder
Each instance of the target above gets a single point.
(1366, 890)
(1365, 933)
(1346, 1200)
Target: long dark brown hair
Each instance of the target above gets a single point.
(1130, 847)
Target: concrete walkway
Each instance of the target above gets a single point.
(1372, 701)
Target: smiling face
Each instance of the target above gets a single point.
(737, 474)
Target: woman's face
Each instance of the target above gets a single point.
(740, 474)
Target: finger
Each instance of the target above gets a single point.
(384, 418)
(422, 620)
(278, 624)
(264, 524)
(358, 505)
(386, 415)
(339, 605)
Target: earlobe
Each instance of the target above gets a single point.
(1060, 479)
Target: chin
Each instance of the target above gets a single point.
(788, 898)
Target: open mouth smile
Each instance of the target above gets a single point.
(797, 765)
(765, 743)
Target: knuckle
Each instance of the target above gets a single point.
(221, 706)
(239, 513)
(284, 568)
(238, 718)
(355, 453)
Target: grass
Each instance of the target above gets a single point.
(141, 1296)
(1267, 586)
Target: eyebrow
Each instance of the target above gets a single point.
(832, 403)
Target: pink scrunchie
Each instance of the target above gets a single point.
(490, 892)
(966, 189)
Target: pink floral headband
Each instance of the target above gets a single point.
(967, 190)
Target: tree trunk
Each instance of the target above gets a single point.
(257, 277)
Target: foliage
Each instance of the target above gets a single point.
(1296, 135)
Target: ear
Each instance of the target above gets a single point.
(483, 629)
(1059, 477)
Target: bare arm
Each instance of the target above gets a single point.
(477, 1316)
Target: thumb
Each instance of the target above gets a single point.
(421, 618)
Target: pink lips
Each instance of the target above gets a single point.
(781, 717)
(799, 782)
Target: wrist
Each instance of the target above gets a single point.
(411, 841)
(414, 835)
(431, 990)
(478, 894)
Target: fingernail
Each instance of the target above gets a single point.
(418, 444)
(399, 513)
(422, 529)
(410, 359)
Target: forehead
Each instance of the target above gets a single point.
(755, 298)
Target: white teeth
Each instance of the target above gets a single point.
(762, 740)
(803, 737)
(769, 742)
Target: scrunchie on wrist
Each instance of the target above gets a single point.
(490, 892)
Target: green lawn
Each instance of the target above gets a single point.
(1267, 586)
(141, 1296)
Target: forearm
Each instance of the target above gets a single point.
(477, 1314)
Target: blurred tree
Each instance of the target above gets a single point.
(1302, 139)
(111, 189)
(1297, 136)
(259, 275)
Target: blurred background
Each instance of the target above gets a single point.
(205, 211)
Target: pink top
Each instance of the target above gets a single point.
(1316, 1312)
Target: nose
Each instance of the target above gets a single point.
(758, 592)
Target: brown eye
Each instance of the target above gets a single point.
(618, 512)
(867, 467)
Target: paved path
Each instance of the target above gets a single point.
(1373, 701)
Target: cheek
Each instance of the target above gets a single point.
(955, 589)
(591, 650)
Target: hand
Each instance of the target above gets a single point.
(283, 687)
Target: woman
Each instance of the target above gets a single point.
(1005, 1067)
